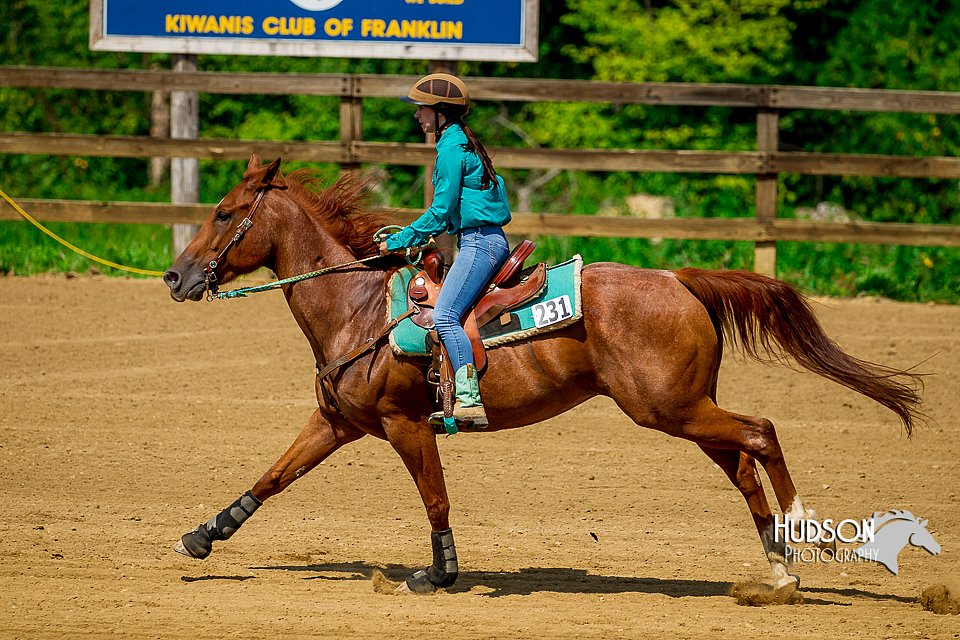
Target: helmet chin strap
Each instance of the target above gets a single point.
(438, 128)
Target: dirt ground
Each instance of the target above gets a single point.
(126, 419)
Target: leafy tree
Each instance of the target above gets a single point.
(684, 40)
(889, 45)
(863, 43)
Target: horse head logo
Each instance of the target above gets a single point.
(892, 531)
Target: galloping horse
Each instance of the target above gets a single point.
(651, 340)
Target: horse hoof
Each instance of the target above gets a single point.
(403, 588)
(195, 544)
(419, 584)
(785, 589)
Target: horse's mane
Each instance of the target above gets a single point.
(341, 207)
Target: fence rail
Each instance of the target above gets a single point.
(524, 223)
(766, 162)
(506, 89)
(735, 162)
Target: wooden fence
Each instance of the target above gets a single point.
(765, 229)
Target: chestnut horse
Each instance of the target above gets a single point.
(651, 340)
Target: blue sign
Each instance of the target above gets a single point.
(437, 29)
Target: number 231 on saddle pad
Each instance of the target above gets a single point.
(557, 306)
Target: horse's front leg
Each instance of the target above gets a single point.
(417, 446)
(318, 439)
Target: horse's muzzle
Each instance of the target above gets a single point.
(184, 287)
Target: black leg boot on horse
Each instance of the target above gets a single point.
(444, 570)
(199, 542)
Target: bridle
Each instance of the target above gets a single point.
(211, 286)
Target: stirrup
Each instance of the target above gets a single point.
(475, 415)
(443, 425)
(463, 418)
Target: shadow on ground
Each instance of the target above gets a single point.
(203, 578)
(562, 580)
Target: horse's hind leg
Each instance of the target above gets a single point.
(751, 437)
(716, 430)
(318, 439)
(742, 472)
(741, 469)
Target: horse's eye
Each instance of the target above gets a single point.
(222, 216)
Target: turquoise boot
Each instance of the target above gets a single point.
(468, 407)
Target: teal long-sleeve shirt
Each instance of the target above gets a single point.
(459, 201)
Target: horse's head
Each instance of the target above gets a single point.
(217, 255)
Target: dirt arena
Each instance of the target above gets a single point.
(127, 419)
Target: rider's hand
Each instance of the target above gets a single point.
(383, 248)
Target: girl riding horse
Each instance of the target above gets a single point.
(470, 201)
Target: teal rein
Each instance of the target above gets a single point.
(243, 291)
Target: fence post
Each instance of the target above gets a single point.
(184, 172)
(768, 134)
(159, 128)
(351, 122)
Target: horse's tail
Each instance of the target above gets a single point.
(761, 313)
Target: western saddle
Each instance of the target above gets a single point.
(511, 287)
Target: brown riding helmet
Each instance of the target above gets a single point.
(439, 90)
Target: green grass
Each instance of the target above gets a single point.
(914, 274)
(25, 250)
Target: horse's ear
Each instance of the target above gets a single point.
(273, 177)
(254, 163)
(923, 524)
(272, 169)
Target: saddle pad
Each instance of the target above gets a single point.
(556, 307)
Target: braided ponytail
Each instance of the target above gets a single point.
(455, 115)
(473, 144)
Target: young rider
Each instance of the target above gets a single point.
(469, 201)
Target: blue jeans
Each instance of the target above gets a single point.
(483, 250)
